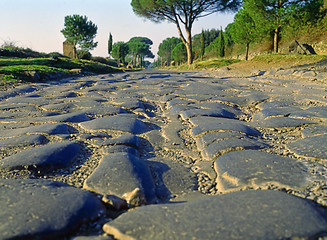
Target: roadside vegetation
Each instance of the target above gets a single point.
(260, 27)
(19, 64)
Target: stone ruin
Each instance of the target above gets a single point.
(69, 50)
(297, 48)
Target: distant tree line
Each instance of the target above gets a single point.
(80, 33)
(254, 22)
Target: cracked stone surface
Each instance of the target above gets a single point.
(178, 148)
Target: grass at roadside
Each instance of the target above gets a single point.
(41, 69)
(207, 64)
(260, 62)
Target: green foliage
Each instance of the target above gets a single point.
(80, 32)
(202, 42)
(120, 51)
(166, 48)
(179, 54)
(140, 48)
(110, 44)
(183, 12)
(84, 54)
(221, 44)
(48, 68)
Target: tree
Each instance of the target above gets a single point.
(80, 32)
(139, 48)
(272, 15)
(166, 47)
(179, 53)
(120, 51)
(182, 12)
(243, 30)
(110, 44)
(202, 42)
(221, 44)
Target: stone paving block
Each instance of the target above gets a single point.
(121, 174)
(63, 107)
(208, 120)
(274, 112)
(56, 155)
(282, 122)
(50, 129)
(314, 130)
(254, 169)
(240, 215)
(126, 139)
(220, 147)
(43, 209)
(23, 141)
(203, 141)
(313, 147)
(219, 127)
(275, 104)
(119, 149)
(313, 112)
(129, 103)
(206, 112)
(216, 105)
(243, 100)
(67, 117)
(123, 123)
(103, 111)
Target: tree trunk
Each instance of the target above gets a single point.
(189, 46)
(276, 40)
(247, 51)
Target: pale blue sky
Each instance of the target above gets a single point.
(37, 23)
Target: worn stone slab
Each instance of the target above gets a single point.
(174, 181)
(221, 147)
(207, 112)
(56, 155)
(66, 117)
(120, 123)
(119, 149)
(275, 104)
(313, 147)
(243, 100)
(129, 103)
(254, 169)
(217, 120)
(240, 215)
(50, 129)
(314, 130)
(274, 112)
(313, 112)
(126, 139)
(103, 111)
(43, 209)
(282, 122)
(121, 174)
(63, 107)
(178, 101)
(197, 88)
(23, 141)
(218, 127)
(203, 141)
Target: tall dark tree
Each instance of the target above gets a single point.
(80, 32)
(182, 12)
(221, 44)
(110, 44)
(202, 42)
